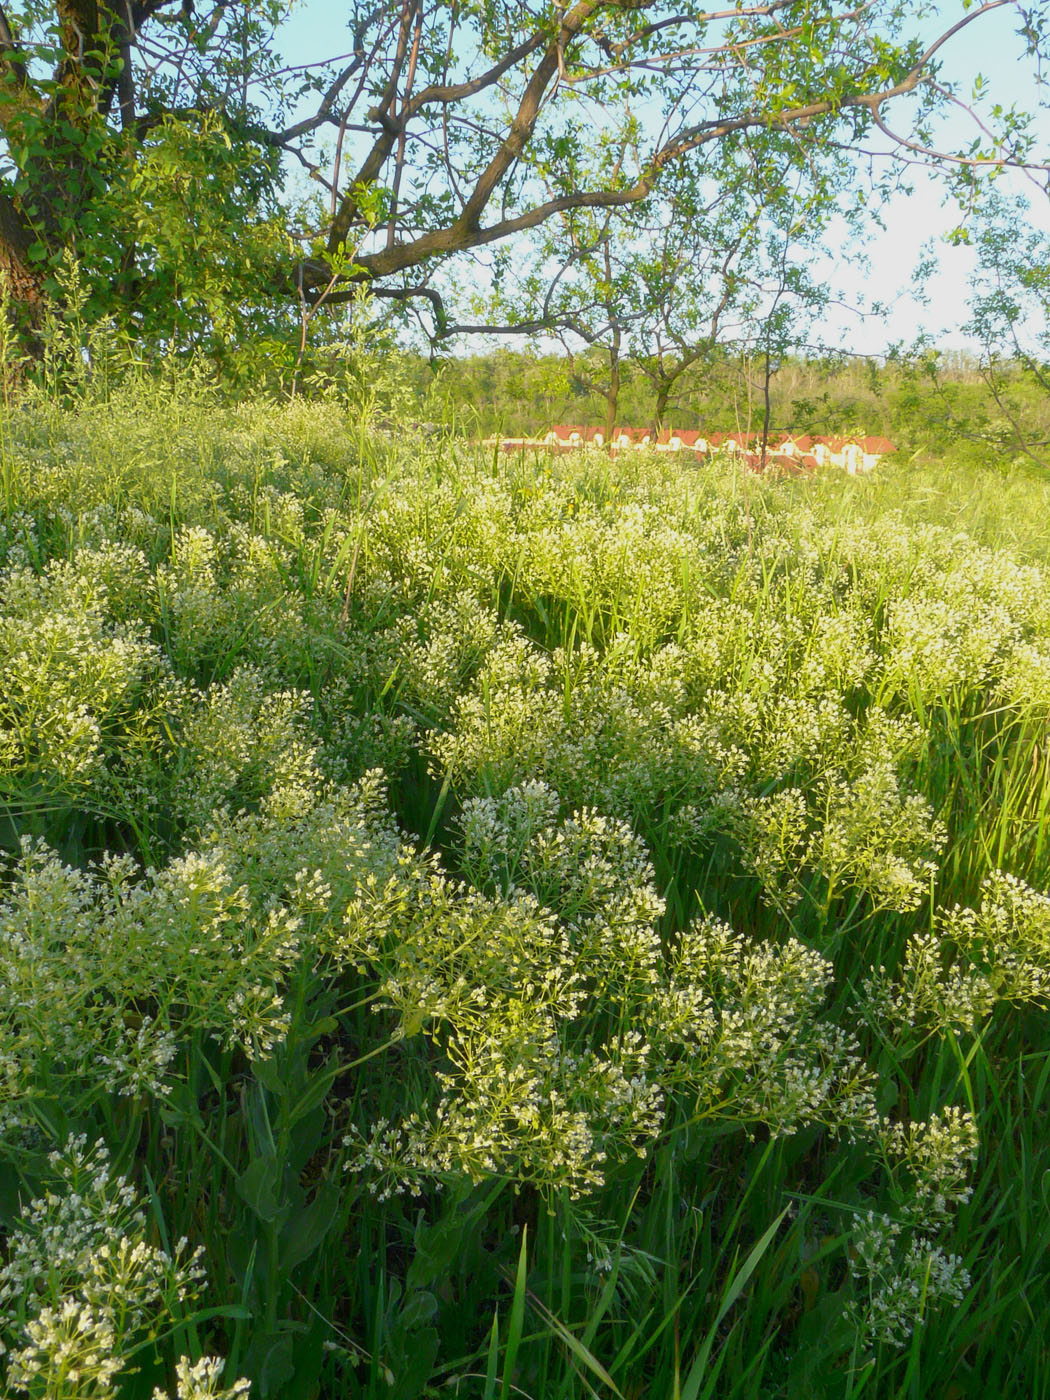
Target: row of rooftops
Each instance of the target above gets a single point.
(789, 451)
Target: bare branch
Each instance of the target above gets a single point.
(324, 111)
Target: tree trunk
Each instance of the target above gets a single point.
(24, 284)
(663, 393)
(612, 398)
(60, 164)
(765, 409)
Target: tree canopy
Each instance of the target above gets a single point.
(152, 139)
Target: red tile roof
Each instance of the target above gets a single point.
(877, 445)
(802, 444)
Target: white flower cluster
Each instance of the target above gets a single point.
(937, 1156)
(900, 1278)
(899, 1270)
(19, 542)
(562, 1025)
(202, 1380)
(101, 975)
(70, 677)
(623, 730)
(753, 1046)
(227, 596)
(104, 973)
(973, 959)
(240, 741)
(82, 1286)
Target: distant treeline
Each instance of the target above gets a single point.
(941, 402)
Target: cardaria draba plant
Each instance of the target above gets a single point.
(106, 972)
(652, 687)
(102, 974)
(899, 1278)
(83, 1292)
(899, 1269)
(952, 978)
(76, 687)
(561, 1026)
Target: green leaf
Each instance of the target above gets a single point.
(260, 1187)
(316, 1091)
(413, 1370)
(439, 1245)
(269, 1363)
(308, 1226)
(268, 1073)
(418, 1308)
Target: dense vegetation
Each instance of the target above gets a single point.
(517, 927)
(478, 926)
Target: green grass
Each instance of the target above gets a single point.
(568, 1054)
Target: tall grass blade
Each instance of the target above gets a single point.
(736, 1286)
(517, 1316)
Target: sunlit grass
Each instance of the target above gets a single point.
(504, 913)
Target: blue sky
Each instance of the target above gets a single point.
(989, 47)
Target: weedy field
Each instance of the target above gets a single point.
(486, 928)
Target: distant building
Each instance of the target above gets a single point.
(792, 446)
(784, 451)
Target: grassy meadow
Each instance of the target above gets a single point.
(494, 928)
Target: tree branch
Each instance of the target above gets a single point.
(324, 110)
(13, 58)
(465, 231)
